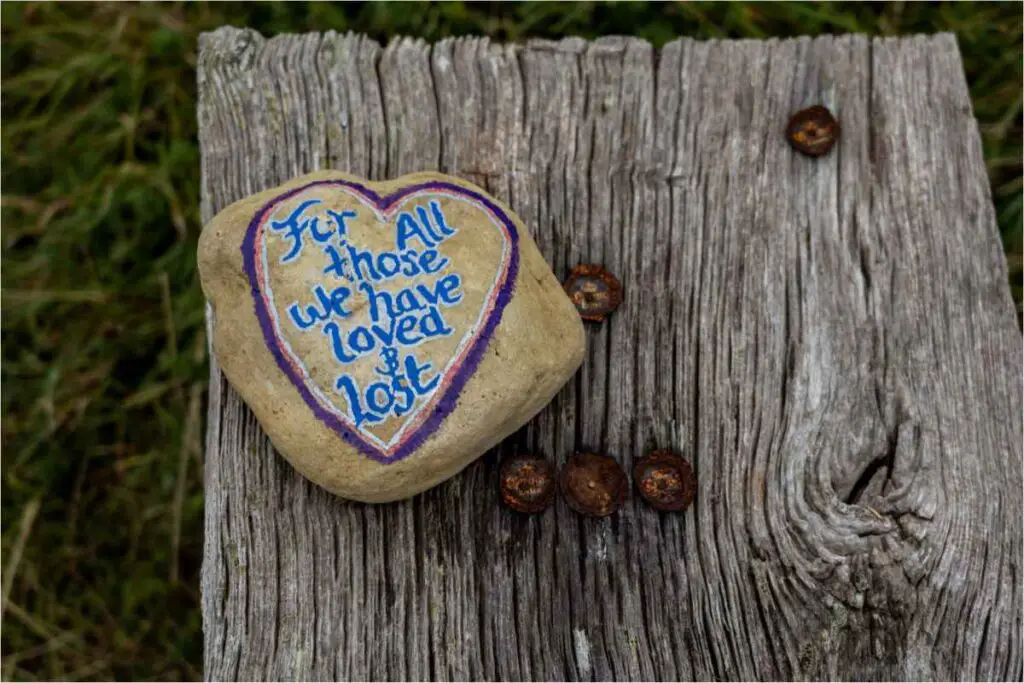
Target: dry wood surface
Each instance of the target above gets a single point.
(831, 341)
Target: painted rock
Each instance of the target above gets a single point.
(385, 334)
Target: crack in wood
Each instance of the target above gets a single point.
(876, 474)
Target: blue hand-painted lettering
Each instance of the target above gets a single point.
(340, 219)
(293, 228)
(442, 225)
(411, 329)
(338, 263)
(314, 230)
(330, 304)
(427, 258)
(400, 320)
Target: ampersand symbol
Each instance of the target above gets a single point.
(390, 357)
(398, 387)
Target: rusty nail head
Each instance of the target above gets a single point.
(593, 485)
(813, 131)
(665, 480)
(594, 291)
(527, 483)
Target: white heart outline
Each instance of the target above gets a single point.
(419, 415)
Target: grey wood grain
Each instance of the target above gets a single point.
(831, 341)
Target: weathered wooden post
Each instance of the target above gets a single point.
(831, 341)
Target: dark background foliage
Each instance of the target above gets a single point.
(104, 356)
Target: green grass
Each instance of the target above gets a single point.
(104, 363)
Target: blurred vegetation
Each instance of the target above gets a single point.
(104, 364)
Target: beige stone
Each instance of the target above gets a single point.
(385, 334)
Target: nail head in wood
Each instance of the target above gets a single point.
(593, 485)
(527, 483)
(594, 290)
(665, 480)
(813, 131)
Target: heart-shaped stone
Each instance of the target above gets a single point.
(385, 334)
(381, 345)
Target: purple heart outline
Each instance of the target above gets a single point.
(451, 388)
